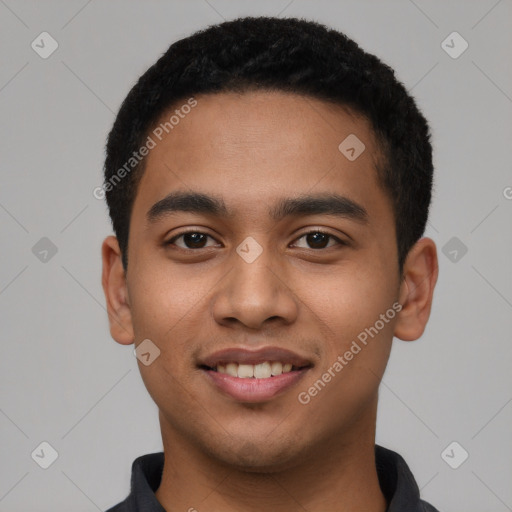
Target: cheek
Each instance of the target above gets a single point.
(166, 306)
(161, 299)
(163, 308)
(348, 301)
(356, 350)
(159, 314)
(357, 344)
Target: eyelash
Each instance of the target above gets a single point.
(321, 231)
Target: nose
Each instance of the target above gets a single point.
(255, 294)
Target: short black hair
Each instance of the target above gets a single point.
(284, 54)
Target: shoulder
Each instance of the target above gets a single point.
(425, 507)
(121, 507)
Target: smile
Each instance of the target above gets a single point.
(253, 376)
(264, 370)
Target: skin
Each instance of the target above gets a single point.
(252, 149)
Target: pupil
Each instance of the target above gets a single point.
(193, 239)
(316, 238)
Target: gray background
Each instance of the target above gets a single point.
(66, 382)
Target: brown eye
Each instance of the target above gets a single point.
(191, 240)
(319, 239)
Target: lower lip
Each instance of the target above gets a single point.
(254, 390)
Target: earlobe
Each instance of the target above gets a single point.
(417, 289)
(113, 280)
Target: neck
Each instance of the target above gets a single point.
(339, 475)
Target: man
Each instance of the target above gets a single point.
(269, 185)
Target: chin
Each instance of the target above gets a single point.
(257, 456)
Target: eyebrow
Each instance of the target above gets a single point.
(313, 204)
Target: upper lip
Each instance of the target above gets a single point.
(261, 355)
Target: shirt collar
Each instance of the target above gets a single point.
(146, 477)
(398, 484)
(395, 479)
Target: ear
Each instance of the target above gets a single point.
(113, 280)
(416, 289)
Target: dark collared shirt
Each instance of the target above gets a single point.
(395, 479)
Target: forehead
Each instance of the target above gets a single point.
(252, 147)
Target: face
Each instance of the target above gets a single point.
(292, 262)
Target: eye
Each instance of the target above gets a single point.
(318, 239)
(191, 239)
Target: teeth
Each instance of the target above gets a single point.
(259, 371)
(232, 369)
(245, 371)
(276, 368)
(262, 371)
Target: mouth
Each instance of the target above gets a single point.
(254, 376)
(265, 370)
